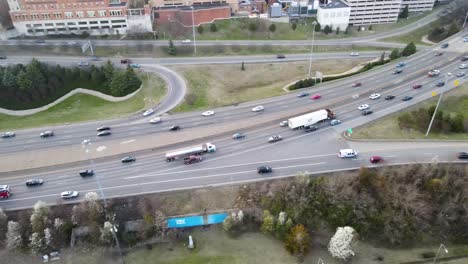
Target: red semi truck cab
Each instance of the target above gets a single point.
(5, 191)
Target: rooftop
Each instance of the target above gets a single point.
(335, 4)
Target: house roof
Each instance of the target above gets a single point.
(335, 4)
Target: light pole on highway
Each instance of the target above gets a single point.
(312, 46)
(438, 251)
(320, 261)
(85, 144)
(193, 31)
(438, 102)
(464, 22)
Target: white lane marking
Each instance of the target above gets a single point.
(127, 141)
(390, 156)
(427, 153)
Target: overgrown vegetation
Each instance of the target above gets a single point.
(450, 22)
(444, 122)
(37, 84)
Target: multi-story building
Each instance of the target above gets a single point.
(418, 5)
(334, 14)
(365, 12)
(44, 17)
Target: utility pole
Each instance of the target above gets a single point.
(464, 22)
(193, 31)
(312, 46)
(438, 251)
(437, 106)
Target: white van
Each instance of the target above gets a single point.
(347, 153)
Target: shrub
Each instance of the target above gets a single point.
(298, 241)
(428, 254)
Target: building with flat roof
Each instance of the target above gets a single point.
(96, 17)
(334, 14)
(366, 12)
(418, 5)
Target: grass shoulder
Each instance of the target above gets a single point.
(453, 103)
(83, 107)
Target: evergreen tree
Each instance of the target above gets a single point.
(23, 82)
(347, 30)
(242, 67)
(395, 54)
(272, 28)
(172, 49)
(318, 27)
(409, 49)
(453, 29)
(117, 86)
(294, 26)
(337, 30)
(252, 26)
(9, 78)
(327, 29)
(131, 81)
(200, 29)
(404, 13)
(382, 57)
(213, 27)
(108, 70)
(370, 27)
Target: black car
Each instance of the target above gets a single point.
(103, 128)
(39, 41)
(2, 57)
(407, 98)
(464, 58)
(445, 45)
(398, 71)
(104, 133)
(86, 173)
(238, 136)
(174, 128)
(303, 94)
(128, 159)
(440, 84)
(462, 155)
(308, 129)
(366, 112)
(280, 56)
(389, 97)
(264, 169)
(34, 182)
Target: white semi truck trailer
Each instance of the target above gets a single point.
(193, 150)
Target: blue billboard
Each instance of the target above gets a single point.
(185, 221)
(216, 218)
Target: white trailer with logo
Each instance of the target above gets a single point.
(193, 150)
(310, 118)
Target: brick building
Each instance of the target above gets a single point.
(44, 17)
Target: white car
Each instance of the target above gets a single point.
(374, 96)
(186, 41)
(354, 54)
(284, 123)
(347, 153)
(465, 39)
(83, 63)
(258, 108)
(463, 66)
(8, 134)
(71, 42)
(155, 120)
(208, 113)
(148, 112)
(363, 107)
(69, 194)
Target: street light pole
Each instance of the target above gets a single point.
(437, 106)
(193, 31)
(320, 261)
(85, 144)
(466, 17)
(312, 46)
(438, 251)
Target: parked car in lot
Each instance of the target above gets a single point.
(86, 173)
(363, 107)
(460, 74)
(397, 71)
(315, 97)
(174, 128)
(304, 94)
(155, 120)
(308, 129)
(128, 159)
(284, 123)
(347, 153)
(46, 134)
(208, 113)
(34, 182)
(375, 159)
(148, 112)
(192, 159)
(417, 86)
(356, 84)
(69, 194)
(238, 136)
(103, 128)
(104, 133)
(366, 112)
(258, 108)
(374, 96)
(407, 98)
(264, 169)
(335, 122)
(462, 155)
(440, 83)
(389, 97)
(280, 56)
(274, 138)
(8, 134)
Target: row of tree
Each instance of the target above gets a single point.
(444, 122)
(37, 84)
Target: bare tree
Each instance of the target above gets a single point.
(13, 236)
(3, 225)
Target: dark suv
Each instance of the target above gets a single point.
(34, 182)
(128, 159)
(174, 128)
(462, 155)
(86, 173)
(264, 169)
(308, 129)
(103, 128)
(366, 112)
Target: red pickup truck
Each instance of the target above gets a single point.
(125, 61)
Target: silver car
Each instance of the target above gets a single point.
(69, 194)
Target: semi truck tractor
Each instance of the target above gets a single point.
(193, 150)
(310, 118)
(5, 191)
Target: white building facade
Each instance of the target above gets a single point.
(418, 5)
(334, 14)
(366, 12)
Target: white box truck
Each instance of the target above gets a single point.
(193, 150)
(310, 118)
